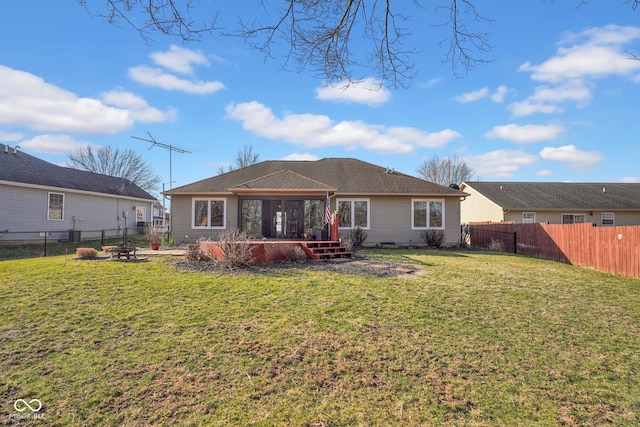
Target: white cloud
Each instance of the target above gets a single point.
(28, 101)
(301, 156)
(546, 99)
(630, 179)
(368, 91)
(526, 108)
(472, 96)
(138, 108)
(10, 136)
(544, 172)
(596, 52)
(577, 159)
(524, 134)
(497, 96)
(179, 59)
(319, 131)
(157, 78)
(52, 144)
(499, 163)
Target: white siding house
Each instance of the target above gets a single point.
(39, 199)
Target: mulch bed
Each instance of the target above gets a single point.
(361, 266)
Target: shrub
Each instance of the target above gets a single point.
(194, 253)
(357, 236)
(497, 246)
(86, 253)
(465, 236)
(236, 249)
(296, 254)
(434, 238)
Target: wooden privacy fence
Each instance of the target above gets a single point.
(614, 250)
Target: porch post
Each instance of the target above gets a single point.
(333, 233)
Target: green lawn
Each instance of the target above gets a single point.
(473, 339)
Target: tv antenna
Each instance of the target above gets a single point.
(171, 148)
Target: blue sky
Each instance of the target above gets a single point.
(557, 100)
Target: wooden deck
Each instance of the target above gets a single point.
(266, 251)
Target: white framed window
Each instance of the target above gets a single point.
(56, 207)
(426, 214)
(141, 213)
(209, 213)
(573, 218)
(528, 217)
(354, 213)
(608, 218)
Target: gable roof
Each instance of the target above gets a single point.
(284, 180)
(560, 195)
(345, 176)
(19, 167)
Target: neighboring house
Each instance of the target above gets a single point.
(553, 202)
(286, 199)
(38, 198)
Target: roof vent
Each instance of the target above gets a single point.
(15, 149)
(604, 190)
(454, 186)
(6, 148)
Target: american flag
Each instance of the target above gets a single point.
(327, 210)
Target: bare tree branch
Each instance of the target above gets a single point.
(446, 171)
(122, 164)
(325, 36)
(244, 157)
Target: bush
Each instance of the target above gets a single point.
(296, 254)
(433, 238)
(465, 236)
(497, 246)
(236, 249)
(194, 253)
(357, 236)
(86, 253)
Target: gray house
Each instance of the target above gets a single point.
(287, 200)
(39, 199)
(554, 202)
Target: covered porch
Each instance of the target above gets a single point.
(284, 205)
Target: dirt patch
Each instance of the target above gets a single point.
(360, 266)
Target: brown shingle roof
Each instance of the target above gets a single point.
(560, 195)
(283, 180)
(345, 175)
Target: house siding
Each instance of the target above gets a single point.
(181, 207)
(595, 217)
(476, 207)
(24, 209)
(391, 221)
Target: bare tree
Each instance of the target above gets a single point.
(322, 35)
(445, 171)
(325, 36)
(113, 162)
(244, 157)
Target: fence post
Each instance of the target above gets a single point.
(45, 243)
(515, 242)
(101, 238)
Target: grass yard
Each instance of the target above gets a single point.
(474, 339)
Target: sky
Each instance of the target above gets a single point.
(554, 100)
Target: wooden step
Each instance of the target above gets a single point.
(323, 250)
